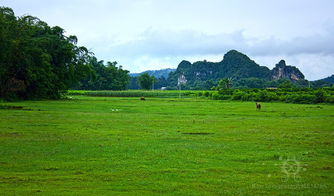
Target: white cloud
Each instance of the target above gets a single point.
(161, 49)
(143, 34)
(165, 43)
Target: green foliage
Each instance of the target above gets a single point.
(36, 60)
(320, 96)
(286, 85)
(251, 83)
(289, 95)
(225, 83)
(145, 81)
(299, 98)
(158, 84)
(105, 77)
(134, 93)
(133, 84)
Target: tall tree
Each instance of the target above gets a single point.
(145, 81)
(225, 83)
(105, 77)
(36, 60)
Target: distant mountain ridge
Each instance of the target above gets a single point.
(234, 65)
(156, 73)
(329, 79)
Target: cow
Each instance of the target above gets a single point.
(258, 106)
(142, 98)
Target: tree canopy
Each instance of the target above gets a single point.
(39, 61)
(36, 60)
(105, 77)
(145, 81)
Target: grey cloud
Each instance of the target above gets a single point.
(114, 30)
(181, 43)
(184, 43)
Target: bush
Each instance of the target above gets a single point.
(239, 95)
(295, 95)
(320, 96)
(207, 94)
(330, 99)
(218, 96)
(300, 98)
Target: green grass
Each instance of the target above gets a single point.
(124, 146)
(135, 93)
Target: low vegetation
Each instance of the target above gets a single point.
(135, 93)
(289, 95)
(165, 146)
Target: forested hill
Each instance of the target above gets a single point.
(234, 65)
(156, 73)
(329, 79)
(324, 82)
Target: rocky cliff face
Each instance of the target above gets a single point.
(234, 65)
(282, 70)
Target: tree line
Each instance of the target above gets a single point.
(281, 94)
(147, 82)
(39, 61)
(104, 77)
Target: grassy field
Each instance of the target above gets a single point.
(168, 146)
(137, 93)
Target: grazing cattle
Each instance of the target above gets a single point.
(142, 98)
(258, 106)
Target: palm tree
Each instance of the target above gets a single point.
(225, 83)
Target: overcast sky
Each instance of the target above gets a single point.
(155, 34)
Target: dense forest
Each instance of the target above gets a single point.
(104, 77)
(39, 61)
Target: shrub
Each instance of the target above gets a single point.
(207, 94)
(320, 96)
(330, 99)
(218, 96)
(215, 96)
(238, 95)
(300, 98)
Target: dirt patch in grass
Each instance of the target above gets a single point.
(51, 169)
(315, 107)
(197, 133)
(11, 107)
(10, 135)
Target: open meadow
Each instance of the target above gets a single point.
(170, 146)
